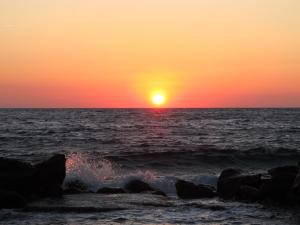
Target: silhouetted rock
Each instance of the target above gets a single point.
(16, 176)
(283, 170)
(138, 186)
(296, 186)
(14, 166)
(76, 184)
(230, 172)
(11, 200)
(248, 193)
(188, 190)
(158, 192)
(278, 187)
(44, 179)
(108, 190)
(231, 180)
(49, 176)
(72, 191)
(51, 171)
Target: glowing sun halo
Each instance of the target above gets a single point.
(158, 99)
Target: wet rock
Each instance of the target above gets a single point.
(188, 190)
(296, 186)
(108, 190)
(138, 186)
(230, 182)
(14, 166)
(16, 176)
(158, 192)
(51, 171)
(230, 172)
(51, 191)
(49, 176)
(278, 187)
(11, 200)
(44, 179)
(248, 193)
(76, 184)
(283, 170)
(72, 191)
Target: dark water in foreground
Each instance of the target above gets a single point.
(107, 147)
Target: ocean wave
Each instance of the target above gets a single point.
(212, 152)
(69, 209)
(98, 173)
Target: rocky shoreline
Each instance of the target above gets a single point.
(22, 183)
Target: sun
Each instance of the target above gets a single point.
(158, 99)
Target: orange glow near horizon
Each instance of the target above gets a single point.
(106, 54)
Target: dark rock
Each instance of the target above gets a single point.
(107, 190)
(158, 192)
(278, 187)
(50, 191)
(138, 186)
(16, 176)
(72, 191)
(188, 190)
(14, 166)
(229, 186)
(76, 184)
(51, 171)
(44, 179)
(229, 173)
(11, 200)
(296, 186)
(283, 170)
(248, 193)
(75, 187)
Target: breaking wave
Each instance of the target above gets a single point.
(103, 173)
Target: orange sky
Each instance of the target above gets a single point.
(200, 53)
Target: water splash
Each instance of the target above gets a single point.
(97, 173)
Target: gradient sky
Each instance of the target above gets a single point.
(115, 53)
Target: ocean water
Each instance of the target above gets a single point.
(108, 147)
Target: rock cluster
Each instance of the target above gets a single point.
(280, 184)
(22, 182)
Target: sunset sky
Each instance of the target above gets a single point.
(119, 53)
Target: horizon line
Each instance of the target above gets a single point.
(288, 107)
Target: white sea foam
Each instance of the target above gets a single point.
(103, 173)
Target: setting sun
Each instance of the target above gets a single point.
(158, 99)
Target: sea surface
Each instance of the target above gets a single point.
(108, 147)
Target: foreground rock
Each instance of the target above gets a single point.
(231, 182)
(51, 171)
(19, 180)
(75, 187)
(248, 193)
(138, 186)
(107, 190)
(278, 188)
(283, 170)
(11, 199)
(188, 190)
(296, 186)
(16, 176)
(280, 184)
(49, 176)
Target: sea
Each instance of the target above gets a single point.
(109, 147)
